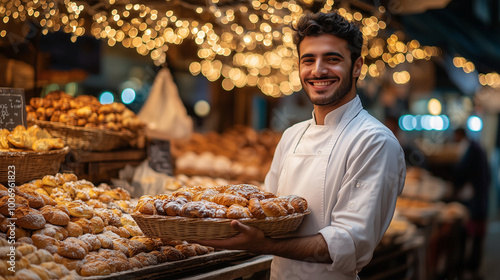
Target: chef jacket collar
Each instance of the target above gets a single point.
(333, 118)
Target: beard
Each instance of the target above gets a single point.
(343, 89)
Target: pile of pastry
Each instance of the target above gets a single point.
(83, 111)
(227, 201)
(239, 153)
(31, 138)
(77, 229)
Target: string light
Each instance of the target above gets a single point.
(257, 50)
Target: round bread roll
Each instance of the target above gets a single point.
(34, 199)
(97, 224)
(18, 202)
(92, 240)
(72, 249)
(106, 241)
(29, 218)
(54, 215)
(45, 242)
(74, 229)
(85, 224)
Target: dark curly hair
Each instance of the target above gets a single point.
(332, 23)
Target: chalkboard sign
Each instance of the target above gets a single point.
(160, 158)
(12, 108)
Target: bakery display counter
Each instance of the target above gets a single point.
(225, 264)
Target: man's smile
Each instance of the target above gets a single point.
(321, 83)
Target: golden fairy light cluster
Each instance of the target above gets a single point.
(243, 43)
(488, 79)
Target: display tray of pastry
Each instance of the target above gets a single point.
(63, 225)
(194, 213)
(84, 123)
(27, 153)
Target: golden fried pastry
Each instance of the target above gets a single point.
(145, 205)
(134, 230)
(229, 199)
(95, 204)
(150, 244)
(272, 207)
(245, 190)
(298, 203)
(187, 250)
(80, 209)
(97, 224)
(236, 211)
(84, 223)
(50, 181)
(66, 177)
(74, 229)
(256, 209)
(42, 145)
(120, 231)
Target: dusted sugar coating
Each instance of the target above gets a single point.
(229, 201)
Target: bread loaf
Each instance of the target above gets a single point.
(54, 215)
(28, 218)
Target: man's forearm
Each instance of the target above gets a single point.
(309, 249)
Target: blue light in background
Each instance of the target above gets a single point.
(407, 122)
(128, 95)
(106, 98)
(474, 123)
(424, 122)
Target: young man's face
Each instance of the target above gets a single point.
(326, 71)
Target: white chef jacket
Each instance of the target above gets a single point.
(351, 171)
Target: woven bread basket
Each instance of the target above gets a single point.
(24, 166)
(88, 139)
(176, 227)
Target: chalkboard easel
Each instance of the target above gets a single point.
(12, 108)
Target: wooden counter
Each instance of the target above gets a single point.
(219, 265)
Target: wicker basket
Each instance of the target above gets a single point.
(88, 139)
(183, 228)
(25, 166)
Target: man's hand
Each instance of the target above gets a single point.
(250, 239)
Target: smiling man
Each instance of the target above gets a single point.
(347, 164)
